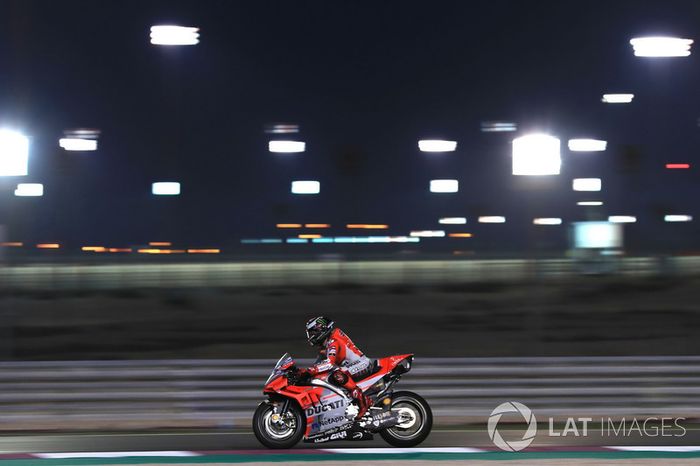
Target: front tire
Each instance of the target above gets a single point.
(411, 432)
(280, 434)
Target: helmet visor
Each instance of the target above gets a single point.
(315, 332)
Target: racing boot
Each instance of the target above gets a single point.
(363, 402)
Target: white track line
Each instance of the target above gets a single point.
(651, 448)
(404, 450)
(113, 454)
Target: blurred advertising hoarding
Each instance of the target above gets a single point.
(597, 235)
(2, 240)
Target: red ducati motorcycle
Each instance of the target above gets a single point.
(317, 411)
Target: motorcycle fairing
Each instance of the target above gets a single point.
(324, 408)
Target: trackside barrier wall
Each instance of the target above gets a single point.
(71, 395)
(261, 274)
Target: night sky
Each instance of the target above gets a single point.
(365, 81)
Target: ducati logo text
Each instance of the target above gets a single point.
(318, 409)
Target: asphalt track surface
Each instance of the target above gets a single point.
(229, 440)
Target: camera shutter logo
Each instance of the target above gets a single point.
(506, 408)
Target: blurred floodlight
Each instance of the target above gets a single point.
(174, 35)
(297, 240)
(547, 221)
(617, 98)
(306, 187)
(589, 203)
(48, 246)
(536, 154)
(94, 249)
(403, 239)
(437, 145)
(622, 219)
(492, 219)
(677, 166)
(460, 235)
(367, 226)
(351, 239)
(288, 225)
(661, 46)
(286, 147)
(444, 186)
(453, 220)
(498, 126)
(166, 188)
(14, 153)
(261, 241)
(30, 189)
(428, 234)
(393, 239)
(678, 218)
(368, 239)
(78, 144)
(160, 251)
(587, 145)
(587, 184)
(80, 139)
(84, 133)
(597, 235)
(317, 225)
(281, 128)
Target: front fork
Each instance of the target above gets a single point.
(279, 414)
(285, 407)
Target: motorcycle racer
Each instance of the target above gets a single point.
(339, 357)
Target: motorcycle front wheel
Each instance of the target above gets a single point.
(417, 420)
(273, 431)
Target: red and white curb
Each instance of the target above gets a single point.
(98, 454)
(403, 450)
(114, 454)
(675, 449)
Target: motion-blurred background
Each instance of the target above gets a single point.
(512, 180)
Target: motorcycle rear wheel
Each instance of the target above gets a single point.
(278, 434)
(411, 433)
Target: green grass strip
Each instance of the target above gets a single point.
(282, 458)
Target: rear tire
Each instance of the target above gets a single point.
(278, 435)
(411, 433)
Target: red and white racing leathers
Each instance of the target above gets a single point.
(343, 360)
